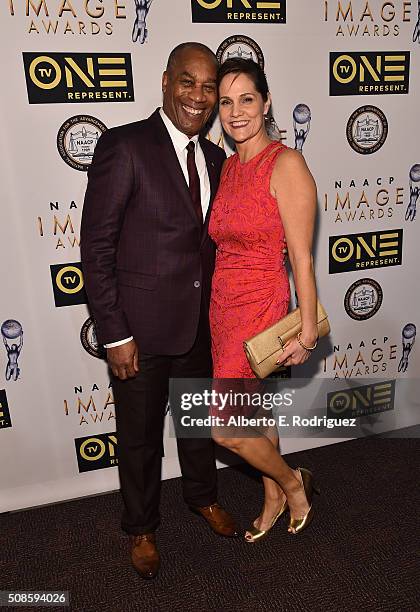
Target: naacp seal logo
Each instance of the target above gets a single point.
(240, 46)
(363, 299)
(89, 340)
(367, 129)
(77, 138)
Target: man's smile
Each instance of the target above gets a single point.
(192, 111)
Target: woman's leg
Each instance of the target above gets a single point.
(274, 495)
(262, 455)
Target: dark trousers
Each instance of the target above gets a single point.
(140, 414)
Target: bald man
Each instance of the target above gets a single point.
(147, 263)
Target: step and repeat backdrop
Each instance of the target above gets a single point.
(344, 77)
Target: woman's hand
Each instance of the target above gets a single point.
(293, 354)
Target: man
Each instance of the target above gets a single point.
(147, 263)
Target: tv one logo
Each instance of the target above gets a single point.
(362, 401)
(78, 77)
(368, 250)
(238, 11)
(369, 73)
(96, 452)
(5, 420)
(68, 284)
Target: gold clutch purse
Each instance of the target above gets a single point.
(265, 348)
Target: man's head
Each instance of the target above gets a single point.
(189, 87)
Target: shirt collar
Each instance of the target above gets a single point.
(179, 139)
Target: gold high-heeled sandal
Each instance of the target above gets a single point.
(298, 525)
(259, 534)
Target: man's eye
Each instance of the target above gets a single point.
(187, 83)
(210, 88)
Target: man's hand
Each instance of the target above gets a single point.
(124, 360)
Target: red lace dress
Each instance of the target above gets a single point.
(250, 289)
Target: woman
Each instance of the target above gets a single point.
(266, 196)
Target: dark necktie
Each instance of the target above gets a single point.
(194, 181)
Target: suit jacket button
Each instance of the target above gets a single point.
(197, 284)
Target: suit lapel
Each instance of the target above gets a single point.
(170, 164)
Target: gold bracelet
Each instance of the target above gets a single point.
(308, 348)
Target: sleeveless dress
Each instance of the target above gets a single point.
(250, 287)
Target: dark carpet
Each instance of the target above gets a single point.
(358, 554)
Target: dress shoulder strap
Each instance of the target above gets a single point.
(272, 153)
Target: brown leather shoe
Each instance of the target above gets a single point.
(219, 520)
(144, 555)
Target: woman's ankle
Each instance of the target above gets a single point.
(274, 496)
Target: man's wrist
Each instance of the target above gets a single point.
(118, 342)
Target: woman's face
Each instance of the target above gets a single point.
(241, 107)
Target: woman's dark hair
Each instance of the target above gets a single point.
(238, 65)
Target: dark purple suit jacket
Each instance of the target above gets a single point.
(146, 260)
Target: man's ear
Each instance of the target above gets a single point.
(164, 80)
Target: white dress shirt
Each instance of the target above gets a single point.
(180, 142)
